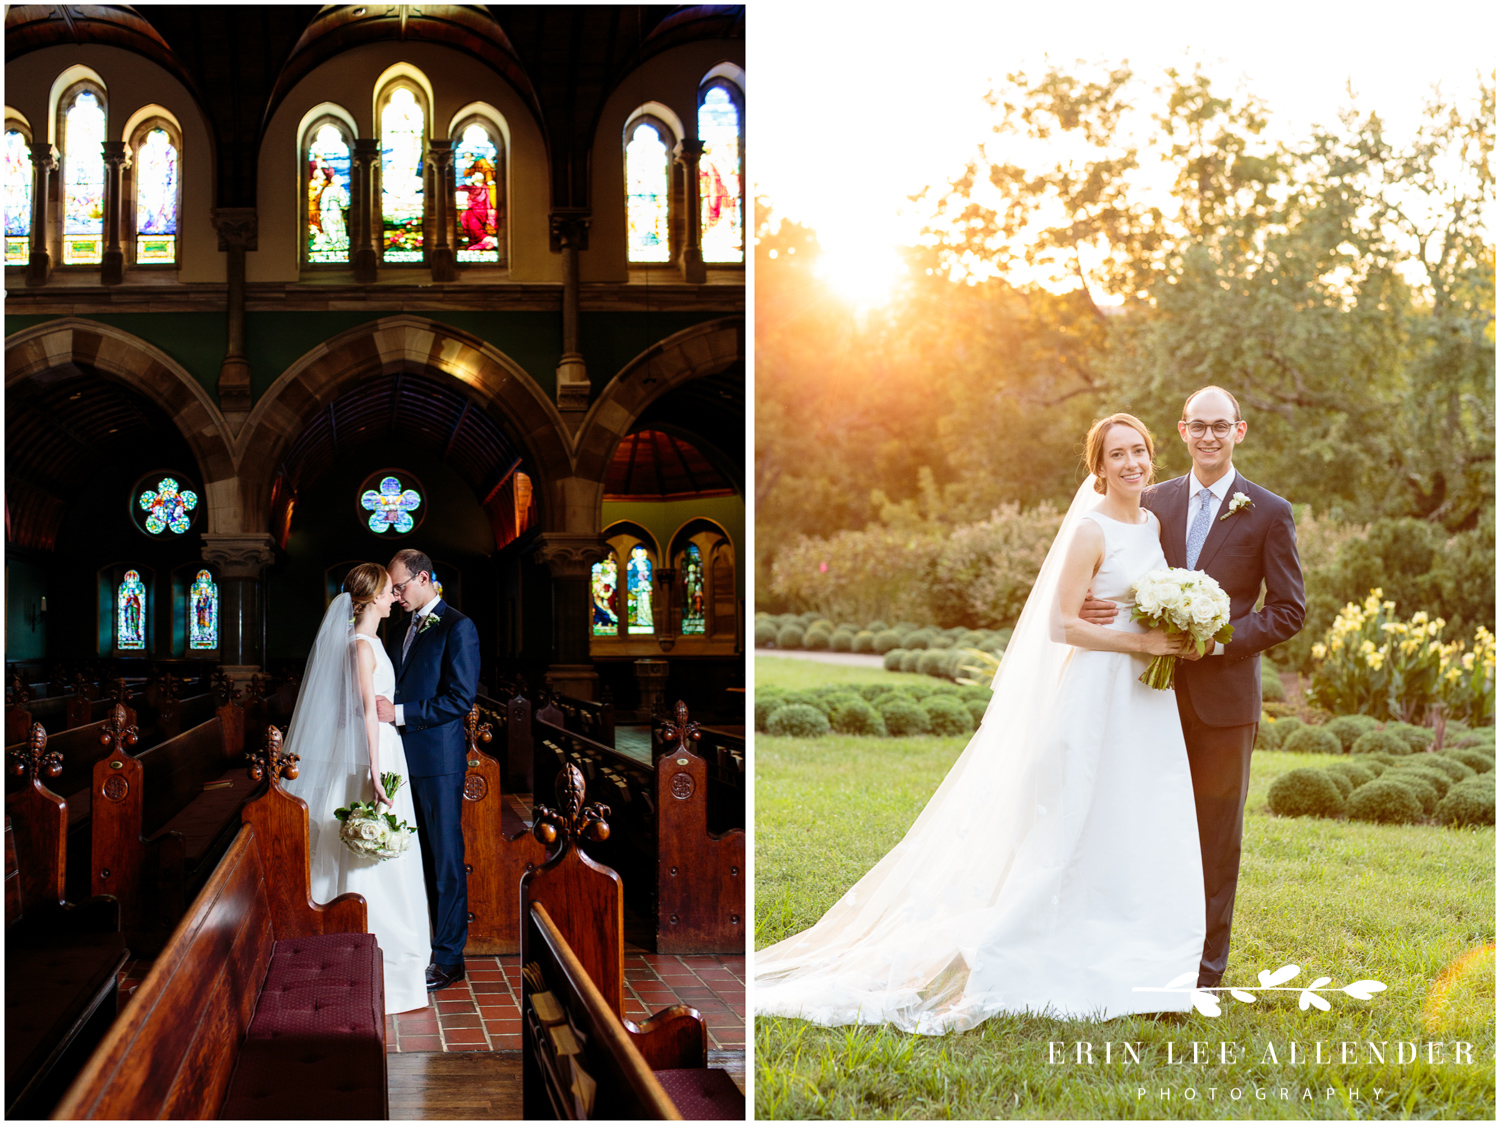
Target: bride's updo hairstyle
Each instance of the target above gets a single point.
(1093, 447)
(364, 583)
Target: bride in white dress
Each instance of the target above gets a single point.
(1057, 867)
(343, 750)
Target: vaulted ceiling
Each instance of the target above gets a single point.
(240, 60)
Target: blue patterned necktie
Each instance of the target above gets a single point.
(1199, 531)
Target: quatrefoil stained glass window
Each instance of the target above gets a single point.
(164, 504)
(391, 502)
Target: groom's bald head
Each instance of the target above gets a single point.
(1233, 411)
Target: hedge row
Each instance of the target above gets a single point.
(1453, 787)
(814, 632)
(1360, 734)
(876, 710)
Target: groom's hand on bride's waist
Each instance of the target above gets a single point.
(384, 711)
(1098, 612)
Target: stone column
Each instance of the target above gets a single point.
(569, 234)
(569, 556)
(440, 257)
(690, 261)
(43, 164)
(364, 164)
(666, 609)
(112, 262)
(241, 558)
(237, 229)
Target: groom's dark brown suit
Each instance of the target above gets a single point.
(1218, 697)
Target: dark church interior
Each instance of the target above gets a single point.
(290, 288)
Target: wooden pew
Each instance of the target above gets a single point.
(580, 1058)
(158, 829)
(496, 860)
(694, 879)
(263, 1005)
(17, 714)
(62, 962)
(510, 719)
(231, 714)
(595, 721)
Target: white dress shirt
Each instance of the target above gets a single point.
(421, 613)
(1220, 489)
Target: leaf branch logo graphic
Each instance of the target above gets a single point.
(1207, 1003)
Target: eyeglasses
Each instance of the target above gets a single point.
(397, 587)
(1220, 428)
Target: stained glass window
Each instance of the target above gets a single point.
(475, 163)
(402, 140)
(130, 612)
(638, 582)
(605, 588)
(203, 600)
(167, 506)
(719, 177)
(646, 195)
(17, 199)
(391, 507)
(156, 199)
(692, 590)
(83, 180)
(328, 196)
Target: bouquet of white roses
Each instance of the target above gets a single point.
(368, 832)
(1180, 601)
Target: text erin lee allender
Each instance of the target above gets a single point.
(1196, 1052)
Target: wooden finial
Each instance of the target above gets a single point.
(224, 688)
(477, 732)
(118, 732)
(679, 732)
(270, 759)
(572, 821)
(32, 760)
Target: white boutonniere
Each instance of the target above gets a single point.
(428, 622)
(1237, 503)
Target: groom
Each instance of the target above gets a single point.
(437, 675)
(1241, 535)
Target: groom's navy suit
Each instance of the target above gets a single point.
(435, 686)
(1218, 697)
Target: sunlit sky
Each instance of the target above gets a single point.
(858, 106)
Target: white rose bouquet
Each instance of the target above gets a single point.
(368, 832)
(1180, 601)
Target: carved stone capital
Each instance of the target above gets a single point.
(366, 152)
(440, 153)
(568, 228)
(239, 556)
(44, 156)
(236, 227)
(116, 155)
(688, 153)
(569, 554)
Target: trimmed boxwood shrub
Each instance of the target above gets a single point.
(1467, 804)
(1455, 769)
(1418, 738)
(798, 721)
(914, 641)
(815, 640)
(977, 708)
(934, 662)
(836, 699)
(902, 716)
(766, 701)
(909, 661)
(1305, 792)
(1479, 763)
(947, 715)
(1272, 734)
(1383, 758)
(1435, 778)
(1385, 802)
(1380, 742)
(863, 641)
(1356, 772)
(857, 717)
(870, 692)
(943, 689)
(841, 641)
(1346, 786)
(789, 637)
(1425, 793)
(942, 640)
(1311, 740)
(1350, 727)
(807, 698)
(765, 634)
(891, 662)
(877, 626)
(885, 641)
(1272, 690)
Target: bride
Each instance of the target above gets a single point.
(343, 750)
(1057, 867)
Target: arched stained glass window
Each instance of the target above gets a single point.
(403, 136)
(476, 164)
(646, 193)
(168, 507)
(638, 585)
(17, 198)
(83, 180)
(155, 174)
(720, 191)
(327, 195)
(692, 591)
(391, 503)
(203, 605)
(605, 594)
(130, 612)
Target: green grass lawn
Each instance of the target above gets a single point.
(781, 671)
(1340, 899)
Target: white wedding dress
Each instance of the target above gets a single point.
(394, 891)
(1057, 867)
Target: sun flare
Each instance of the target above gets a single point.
(862, 274)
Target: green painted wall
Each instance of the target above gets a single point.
(663, 518)
(25, 624)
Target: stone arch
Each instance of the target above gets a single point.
(494, 381)
(78, 342)
(704, 349)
